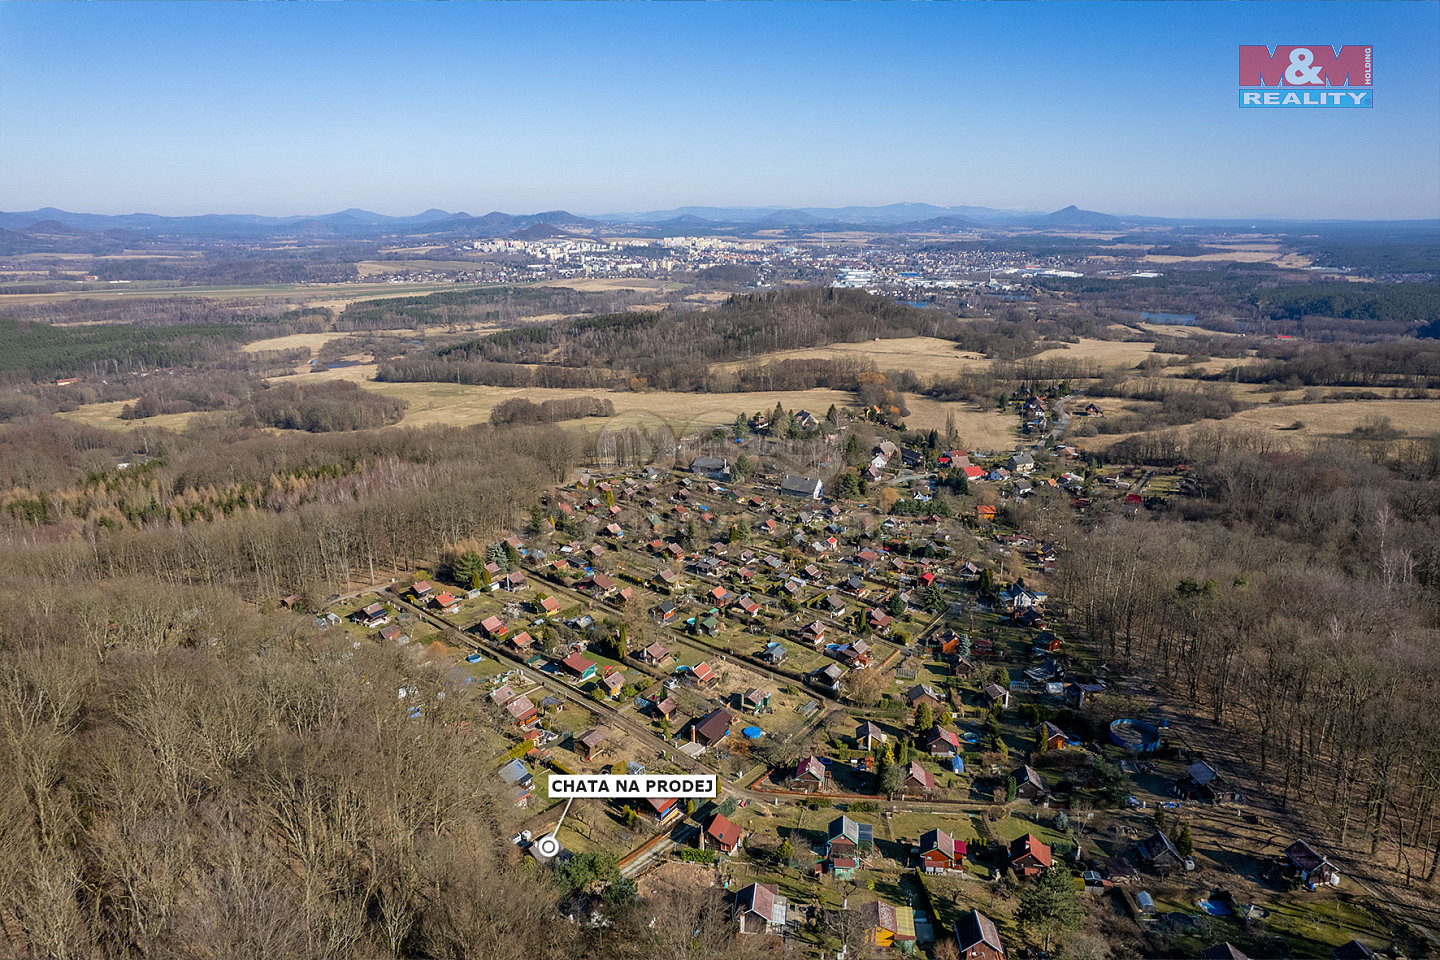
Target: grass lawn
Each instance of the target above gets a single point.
(907, 827)
(486, 668)
(1315, 923)
(1017, 825)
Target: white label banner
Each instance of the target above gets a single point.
(658, 786)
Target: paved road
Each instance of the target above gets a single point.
(1063, 420)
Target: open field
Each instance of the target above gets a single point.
(1412, 418)
(294, 341)
(982, 428)
(1416, 418)
(1177, 330)
(614, 283)
(459, 405)
(926, 356)
(448, 403)
(1113, 353)
(1213, 365)
(384, 268)
(107, 415)
(1252, 253)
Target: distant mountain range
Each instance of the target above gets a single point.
(53, 230)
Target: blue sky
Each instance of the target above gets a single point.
(307, 108)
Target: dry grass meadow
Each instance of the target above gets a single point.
(107, 415)
(1108, 353)
(925, 356)
(460, 405)
(295, 341)
(1414, 418)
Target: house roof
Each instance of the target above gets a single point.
(578, 663)
(881, 913)
(938, 839)
(1202, 773)
(520, 707)
(938, 733)
(756, 696)
(1304, 856)
(810, 767)
(1031, 845)
(657, 652)
(714, 726)
(921, 690)
(805, 485)
(723, 830)
(661, 805)
(702, 671)
(843, 827)
(917, 772)
(593, 737)
(764, 900)
(974, 928)
(1028, 774)
(1156, 845)
(869, 729)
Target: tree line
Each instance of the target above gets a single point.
(520, 410)
(671, 350)
(493, 305)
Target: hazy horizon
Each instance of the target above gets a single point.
(616, 215)
(1127, 109)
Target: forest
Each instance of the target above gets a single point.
(189, 777)
(1295, 603)
(29, 350)
(259, 513)
(675, 351)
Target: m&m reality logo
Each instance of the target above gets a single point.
(1314, 75)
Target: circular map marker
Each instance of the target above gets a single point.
(547, 846)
